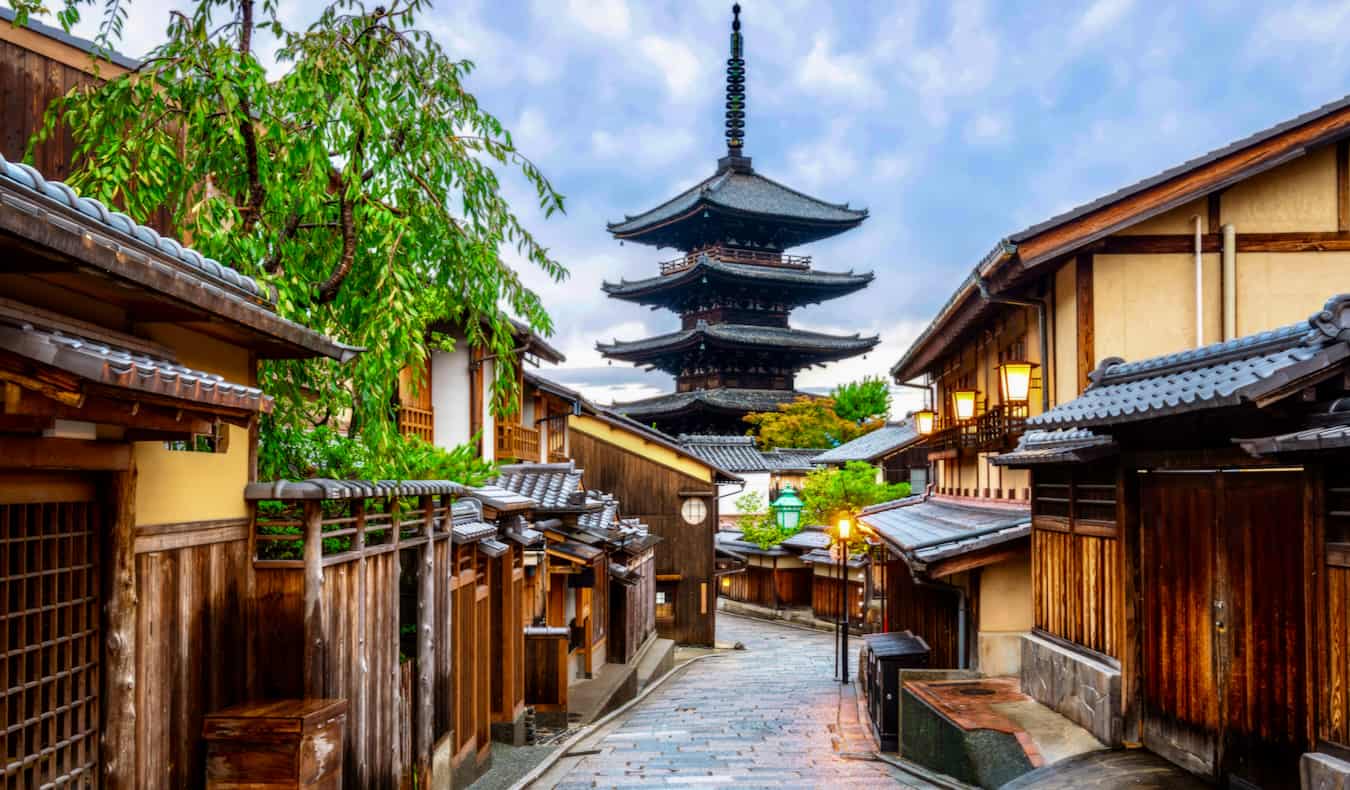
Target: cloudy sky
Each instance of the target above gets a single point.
(954, 122)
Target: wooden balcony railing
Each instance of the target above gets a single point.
(516, 441)
(735, 255)
(557, 438)
(995, 429)
(413, 421)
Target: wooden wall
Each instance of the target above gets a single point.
(825, 599)
(632, 612)
(29, 81)
(651, 492)
(927, 612)
(192, 648)
(756, 585)
(1334, 652)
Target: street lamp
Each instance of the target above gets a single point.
(842, 542)
(964, 403)
(787, 509)
(1015, 378)
(923, 421)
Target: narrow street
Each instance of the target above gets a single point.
(762, 717)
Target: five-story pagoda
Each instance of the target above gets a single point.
(734, 287)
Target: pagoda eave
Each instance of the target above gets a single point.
(803, 348)
(767, 283)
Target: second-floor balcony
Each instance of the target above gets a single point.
(516, 441)
(556, 431)
(737, 255)
(996, 429)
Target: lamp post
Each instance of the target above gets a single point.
(842, 542)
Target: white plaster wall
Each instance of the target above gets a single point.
(754, 481)
(489, 422)
(450, 396)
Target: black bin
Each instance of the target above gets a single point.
(887, 654)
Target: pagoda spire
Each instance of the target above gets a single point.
(736, 88)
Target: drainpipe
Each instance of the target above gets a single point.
(1199, 285)
(1039, 306)
(1229, 282)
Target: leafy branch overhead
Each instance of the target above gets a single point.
(807, 422)
(359, 176)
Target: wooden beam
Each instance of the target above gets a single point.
(34, 453)
(978, 559)
(1184, 243)
(426, 645)
(315, 638)
(1215, 206)
(118, 747)
(1086, 334)
(1343, 185)
(1177, 191)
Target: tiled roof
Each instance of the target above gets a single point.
(493, 548)
(777, 337)
(1323, 437)
(1223, 374)
(467, 524)
(742, 192)
(735, 453)
(326, 488)
(734, 542)
(807, 539)
(872, 446)
(574, 551)
(122, 368)
(838, 283)
(721, 399)
(791, 459)
(1068, 445)
(826, 557)
(931, 528)
(206, 268)
(552, 486)
(604, 517)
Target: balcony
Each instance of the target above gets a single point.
(413, 421)
(557, 438)
(516, 441)
(735, 255)
(995, 430)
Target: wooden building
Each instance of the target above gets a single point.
(774, 578)
(129, 433)
(958, 575)
(734, 286)
(896, 449)
(1188, 554)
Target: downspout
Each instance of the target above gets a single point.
(1199, 285)
(1229, 282)
(1039, 306)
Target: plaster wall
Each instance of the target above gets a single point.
(1144, 305)
(489, 420)
(1179, 220)
(1276, 289)
(1064, 361)
(174, 486)
(1005, 595)
(1298, 196)
(450, 396)
(831, 571)
(757, 482)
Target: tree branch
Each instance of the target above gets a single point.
(253, 208)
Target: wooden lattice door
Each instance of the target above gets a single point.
(49, 635)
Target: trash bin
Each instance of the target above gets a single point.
(887, 654)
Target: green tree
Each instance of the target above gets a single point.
(362, 182)
(757, 522)
(806, 422)
(864, 400)
(831, 494)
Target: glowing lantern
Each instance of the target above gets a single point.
(1016, 380)
(964, 402)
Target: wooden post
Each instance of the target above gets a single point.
(359, 716)
(119, 611)
(314, 628)
(426, 643)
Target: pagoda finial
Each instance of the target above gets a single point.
(735, 88)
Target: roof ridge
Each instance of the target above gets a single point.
(1115, 370)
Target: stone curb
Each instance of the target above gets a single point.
(590, 729)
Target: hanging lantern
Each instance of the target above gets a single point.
(1015, 378)
(787, 509)
(964, 403)
(923, 421)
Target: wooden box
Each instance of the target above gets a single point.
(294, 743)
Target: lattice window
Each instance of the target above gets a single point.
(49, 645)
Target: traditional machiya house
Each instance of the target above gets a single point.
(895, 449)
(129, 434)
(734, 286)
(765, 473)
(958, 575)
(1190, 554)
(455, 404)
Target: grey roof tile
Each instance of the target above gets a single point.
(841, 282)
(791, 459)
(1066, 445)
(872, 446)
(724, 399)
(552, 486)
(734, 453)
(807, 539)
(931, 528)
(327, 488)
(783, 338)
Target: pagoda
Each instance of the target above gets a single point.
(733, 286)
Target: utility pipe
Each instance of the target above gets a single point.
(1039, 306)
(1199, 285)
(1229, 282)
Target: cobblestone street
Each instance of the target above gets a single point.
(762, 717)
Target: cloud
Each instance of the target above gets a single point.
(1100, 17)
(836, 76)
(987, 128)
(606, 18)
(644, 145)
(676, 63)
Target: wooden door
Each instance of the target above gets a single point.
(49, 633)
(1225, 682)
(1178, 526)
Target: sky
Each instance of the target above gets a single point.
(955, 123)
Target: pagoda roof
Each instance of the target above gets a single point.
(778, 339)
(724, 400)
(739, 192)
(812, 285)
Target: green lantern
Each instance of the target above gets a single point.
(787, 509)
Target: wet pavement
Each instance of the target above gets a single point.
(768, 716)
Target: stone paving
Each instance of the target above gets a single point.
(768, 716)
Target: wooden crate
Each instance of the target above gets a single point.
(275, 744)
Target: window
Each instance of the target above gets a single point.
(694, 511)
(217, 442)
(665, 605)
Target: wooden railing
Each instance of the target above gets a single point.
(736, 255)
(516, 441)
(413, 421)
(557, 438)
(995, 429)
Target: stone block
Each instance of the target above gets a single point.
(1324, 772)
(1080, 688)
